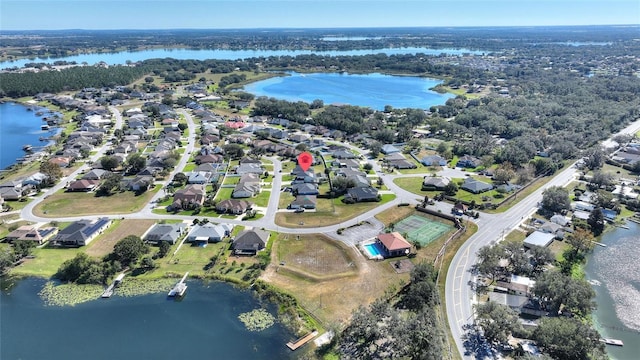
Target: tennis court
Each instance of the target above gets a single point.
(421, 229)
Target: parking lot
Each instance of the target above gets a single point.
(369, 229)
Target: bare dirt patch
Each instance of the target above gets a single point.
(105, 243)
(332, 299)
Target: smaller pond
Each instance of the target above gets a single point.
(368, 90)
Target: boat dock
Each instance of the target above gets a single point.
(615, 342)
(109, 291)
(180, 288)
(293, 345)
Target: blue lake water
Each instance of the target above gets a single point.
(371, 90)
(204, 325)
(120, 58)
(618, 296)
(19, 127)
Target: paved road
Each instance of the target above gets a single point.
(459, 296)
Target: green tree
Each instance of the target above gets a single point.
(596, 221)
(568, 339)
(555, 199)
(488, 261)
(52, 171)
(562, 292)
(233, 151)
(22, 249)
(497, 321)
(451, 189)
(6, 259)
(148, 79)
(340, 184)
(111, 182)
(128, 250)
(540, 256)
(109, 162)
(136, 163)
(163, 249)
(375, 147)
(180, 178)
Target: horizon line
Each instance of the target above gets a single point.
(329, 28)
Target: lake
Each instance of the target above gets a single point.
(204, 325)
(119, 58)
(370, 90)
(19, 127)
(618, 296)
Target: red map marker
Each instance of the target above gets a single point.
(305, 160)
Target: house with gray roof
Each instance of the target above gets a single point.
(81, 232)
(248, 186)
(362, 194)
(389, 149)
(164, 232)
(209, 232)
(475, 186)
(249, 242)
(233, 206)
(304, 202)
(431, 183)
(538, 238)
(433, 160)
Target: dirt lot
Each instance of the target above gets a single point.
(332, 299)
(119, 230)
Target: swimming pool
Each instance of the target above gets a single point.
(373, 250)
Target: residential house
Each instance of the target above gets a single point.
(394, 244)
(249, 242)
(475, 186)
(343, 154)
(35, 179)
(96, 174)
(560, 220)
(199, 177)
(248, 186)
(31, 233)
(249, 168)
(81, 232)
(170, 233)
(538, 238)
(209, 232)
(304, 202)
(433, 160)
(362, 194)
(233, 206)
(61, 161)
(190, 195)
(83, 185)
(468, 161)
(304, 189)
(389, 149)
(140, 183)
(209, 158)
(402, 164)
(431, 183)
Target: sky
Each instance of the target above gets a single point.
(250, 14)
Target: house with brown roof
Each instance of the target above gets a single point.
(83, 185)
(233, 206)
(31, 233)
(192, 194)
(394, 244)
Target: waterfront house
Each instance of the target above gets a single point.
(209, 232)
(249, 242)
(394, 244)
(538, 238)
(164, 232)
(81, 232)
(35, 179)
(31, 233)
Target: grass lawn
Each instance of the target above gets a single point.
(414, 185)
(231, 180)
(330, 297)
(120, 229)
(189, 167)
(63, 204)
(262, 199)
(329, 212)
(396, 214)
(223, 194)
(46, 261)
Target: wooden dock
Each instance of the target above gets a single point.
(293, 345)
(180, 288)
(615, 342)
